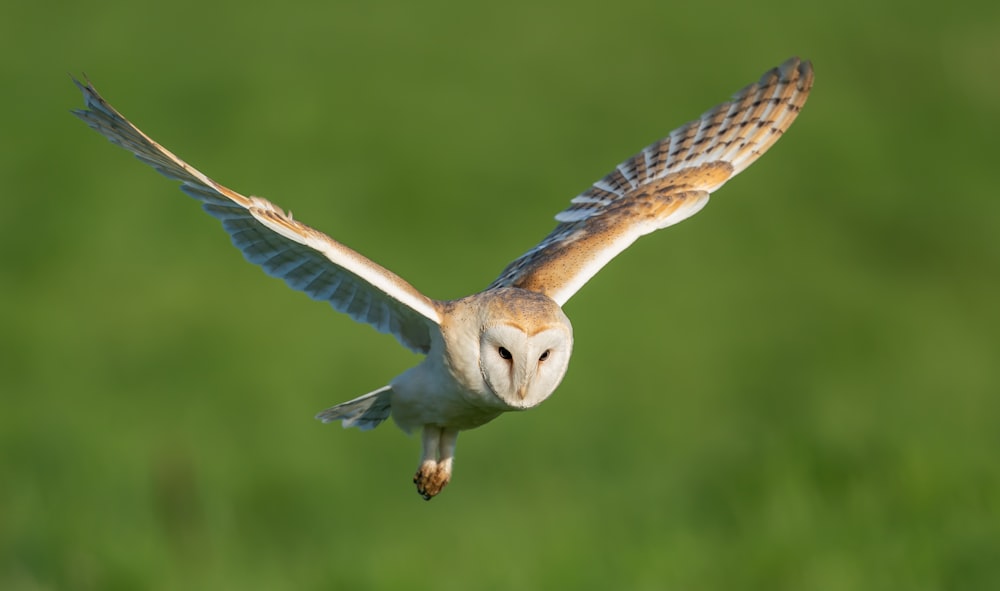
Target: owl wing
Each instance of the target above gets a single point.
(306, 259)
(666, 183)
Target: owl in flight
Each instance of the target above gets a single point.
(505, 348)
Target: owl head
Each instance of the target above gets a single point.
(525, 341)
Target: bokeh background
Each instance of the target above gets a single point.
(799, 388)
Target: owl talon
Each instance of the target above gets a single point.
(430, 479)
(420, 487)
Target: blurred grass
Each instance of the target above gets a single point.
(801, 391)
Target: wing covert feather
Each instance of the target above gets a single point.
(305, 258)
(667, 182)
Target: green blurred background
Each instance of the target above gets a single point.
(796, 389)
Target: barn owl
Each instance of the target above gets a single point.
(505, 348)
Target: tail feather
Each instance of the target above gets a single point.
(365, 412)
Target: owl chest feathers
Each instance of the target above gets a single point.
(500, 350)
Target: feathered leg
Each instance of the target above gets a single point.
(435, 466)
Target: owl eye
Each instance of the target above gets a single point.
(504, 353)
(544, 356)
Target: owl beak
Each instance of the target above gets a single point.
(522, 391)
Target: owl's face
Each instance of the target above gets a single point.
(523, 367)
(525, 342)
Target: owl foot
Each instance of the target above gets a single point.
(431, 478)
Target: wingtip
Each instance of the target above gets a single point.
(806, 74)
(795, 68)
(85, 85)
(92, 100)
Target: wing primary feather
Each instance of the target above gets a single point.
(307, 275)
(325, 286)
(291, 268)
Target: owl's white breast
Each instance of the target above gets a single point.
(429, 395)
(436, 392)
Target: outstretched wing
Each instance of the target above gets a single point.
(306, 259)
(666, 183)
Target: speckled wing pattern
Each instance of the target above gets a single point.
(306, 259)
(662, 185)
